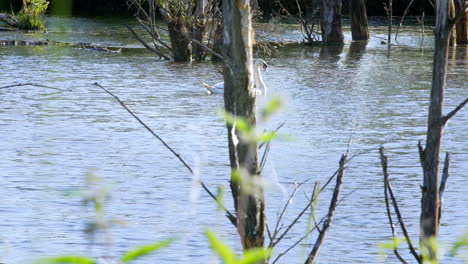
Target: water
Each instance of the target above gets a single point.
(361, 96)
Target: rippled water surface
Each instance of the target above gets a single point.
(356, 95)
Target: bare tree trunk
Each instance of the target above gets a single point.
(199, 30)
(330, 21)
(462, 27)
(239, 100)
(179, 43)
(430, 156)
(359, 24)
(430, 198)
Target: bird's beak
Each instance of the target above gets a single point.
(265, 68)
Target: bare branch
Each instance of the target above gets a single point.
(443, 181)
(402, 18)
(229, 215)
(397, 211)
(383, 161)
(154, 35)
(273, 243)
(331, 212)
(297, 242)
(454, 111)
(32, 84)
(146, 45)
(8, 19)
(280, 217)
(214, 53)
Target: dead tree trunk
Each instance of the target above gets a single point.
(430, 156)
(179, 43)
(330, 21)
(359, 24)
(199, 30)
(462, 26)
(239, 100)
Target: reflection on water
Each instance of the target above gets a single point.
(355, 93)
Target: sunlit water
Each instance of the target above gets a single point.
(356, 95)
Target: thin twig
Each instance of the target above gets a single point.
(276, 130)
(148, 47)
(316, 227)
(402, 18)
(298, 241)
(280, 217)
(264, 157)
(331, 212)
(383, 161)
(402, 223)
(32, 84)
(273, 243)
(229, 215)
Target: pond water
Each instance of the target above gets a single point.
(364, 96)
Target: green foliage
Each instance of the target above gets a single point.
(144, 250)
(391, 244)
(460, 243)
(273, 106)
(429, 251)
(251, 256)
(31, 15)
(66, 260)
(219, 198)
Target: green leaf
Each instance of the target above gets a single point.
(219, 198)
(461, 242)
(241, 124)
(222, 249)
(66, 260)
(392, 244)
(273, 106)
(267, 136)
(144, 250)
(255, 255)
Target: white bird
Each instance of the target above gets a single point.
(257, 78)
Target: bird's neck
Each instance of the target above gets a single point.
(258, 80)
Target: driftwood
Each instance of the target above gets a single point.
(7, 29)
(9, 20)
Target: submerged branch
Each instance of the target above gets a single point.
(32, 84)
(229, 215)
